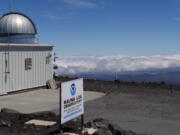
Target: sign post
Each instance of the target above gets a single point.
(71, 101)
(60, 125)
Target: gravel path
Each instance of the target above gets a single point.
(152, 113)
(38, 100)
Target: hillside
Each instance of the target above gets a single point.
(117, 85)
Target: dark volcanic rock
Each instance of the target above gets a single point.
(4, 123)
(14, 123)
(7, 110)
(104, 127)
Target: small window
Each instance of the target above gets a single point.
(47, 59)
(28, 63)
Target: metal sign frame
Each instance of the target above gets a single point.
(60, 107)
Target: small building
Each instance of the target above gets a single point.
(24, 63)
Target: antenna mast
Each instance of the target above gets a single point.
(10, 5)
(7, 57)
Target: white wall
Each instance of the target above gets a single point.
(19, 78)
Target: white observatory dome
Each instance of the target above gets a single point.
(17, 28)
(16, 23)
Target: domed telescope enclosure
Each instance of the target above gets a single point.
(17, 28)
(24, 63)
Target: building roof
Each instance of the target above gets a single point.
(26, 45)
(15, 23)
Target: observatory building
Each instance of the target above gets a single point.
(24, 63)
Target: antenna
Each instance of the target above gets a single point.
(10, 5)
(116, 75)
(7, 53)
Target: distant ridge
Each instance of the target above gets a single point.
(107, 85)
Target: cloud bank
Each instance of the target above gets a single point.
(110, 64)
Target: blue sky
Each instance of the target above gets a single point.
(105, 27)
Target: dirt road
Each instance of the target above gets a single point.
(153, 112)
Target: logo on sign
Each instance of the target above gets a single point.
(73, 89)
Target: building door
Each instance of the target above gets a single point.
(5, 73)
(1, 73)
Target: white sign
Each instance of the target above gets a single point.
(71, 100)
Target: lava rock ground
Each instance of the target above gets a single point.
(13, 123)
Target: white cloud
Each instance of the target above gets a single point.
(50, 15)
(110, 64)
(81, 3)
(177, 18)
